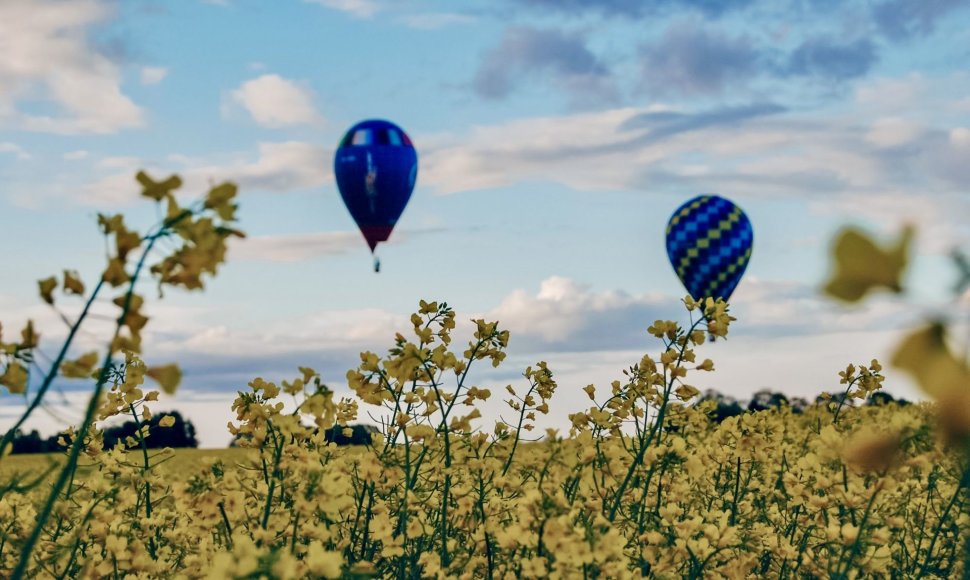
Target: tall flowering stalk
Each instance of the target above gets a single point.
(203, 229)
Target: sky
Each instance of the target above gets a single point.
(554, 137)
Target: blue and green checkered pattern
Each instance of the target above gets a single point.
(709, 244)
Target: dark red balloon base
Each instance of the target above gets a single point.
(375, 234)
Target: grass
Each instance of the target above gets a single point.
(184, 463)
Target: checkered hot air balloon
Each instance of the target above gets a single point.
(709, 244)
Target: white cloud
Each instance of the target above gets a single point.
(960, 137)
(889, 95)
(273, 101)
(152, 75)
(937, 217)
(76, 155)
(962, 104)
(759, 150)
(433, 20)
(357, 8)
(893, 132)
(45, 56)
(14, 149)
(295, 248)
(278, 167)
(345, 331)
(566, 313)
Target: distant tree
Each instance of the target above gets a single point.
(239, 437)
(360, 434)
(33, 443)
(880, 398)
(766, 399)
(827, 400)
(180, 435)
(884, 398)
(30, 443)
(725, 406)
(798, 404)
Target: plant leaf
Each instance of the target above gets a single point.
(861, 265)
(167, 376)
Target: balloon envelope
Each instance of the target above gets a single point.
(709, 244)
(376, 166)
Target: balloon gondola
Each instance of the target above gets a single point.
(709, 241)
(375, 166)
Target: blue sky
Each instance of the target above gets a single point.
(555, 137)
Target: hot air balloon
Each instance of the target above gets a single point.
(709, 244)
(376, 166)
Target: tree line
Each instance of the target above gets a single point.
(182, 433)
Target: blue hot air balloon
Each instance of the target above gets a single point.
(709, 244)
(376, 166)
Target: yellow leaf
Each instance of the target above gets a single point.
(134, 303)
(126, 241)
(168, 377)
(924, 355)
(29, 338)
(14, 378)
(861, 265)
(220, 194)
(308, 373)
(47, 287)
(126, 343)
(115, 273)
(226, 232)
(157, 190)
(173, 211)
(73, 284)
(80, 368)
(110, 224)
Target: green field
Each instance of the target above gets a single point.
(182, 464)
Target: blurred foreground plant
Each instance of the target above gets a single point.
(196, 237)
(928, 354)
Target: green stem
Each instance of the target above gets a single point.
(92, 408)
(55, 367)
(618, 496)
(146, 467)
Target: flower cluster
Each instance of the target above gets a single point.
(645, 482)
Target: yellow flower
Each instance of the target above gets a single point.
(322, 562)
